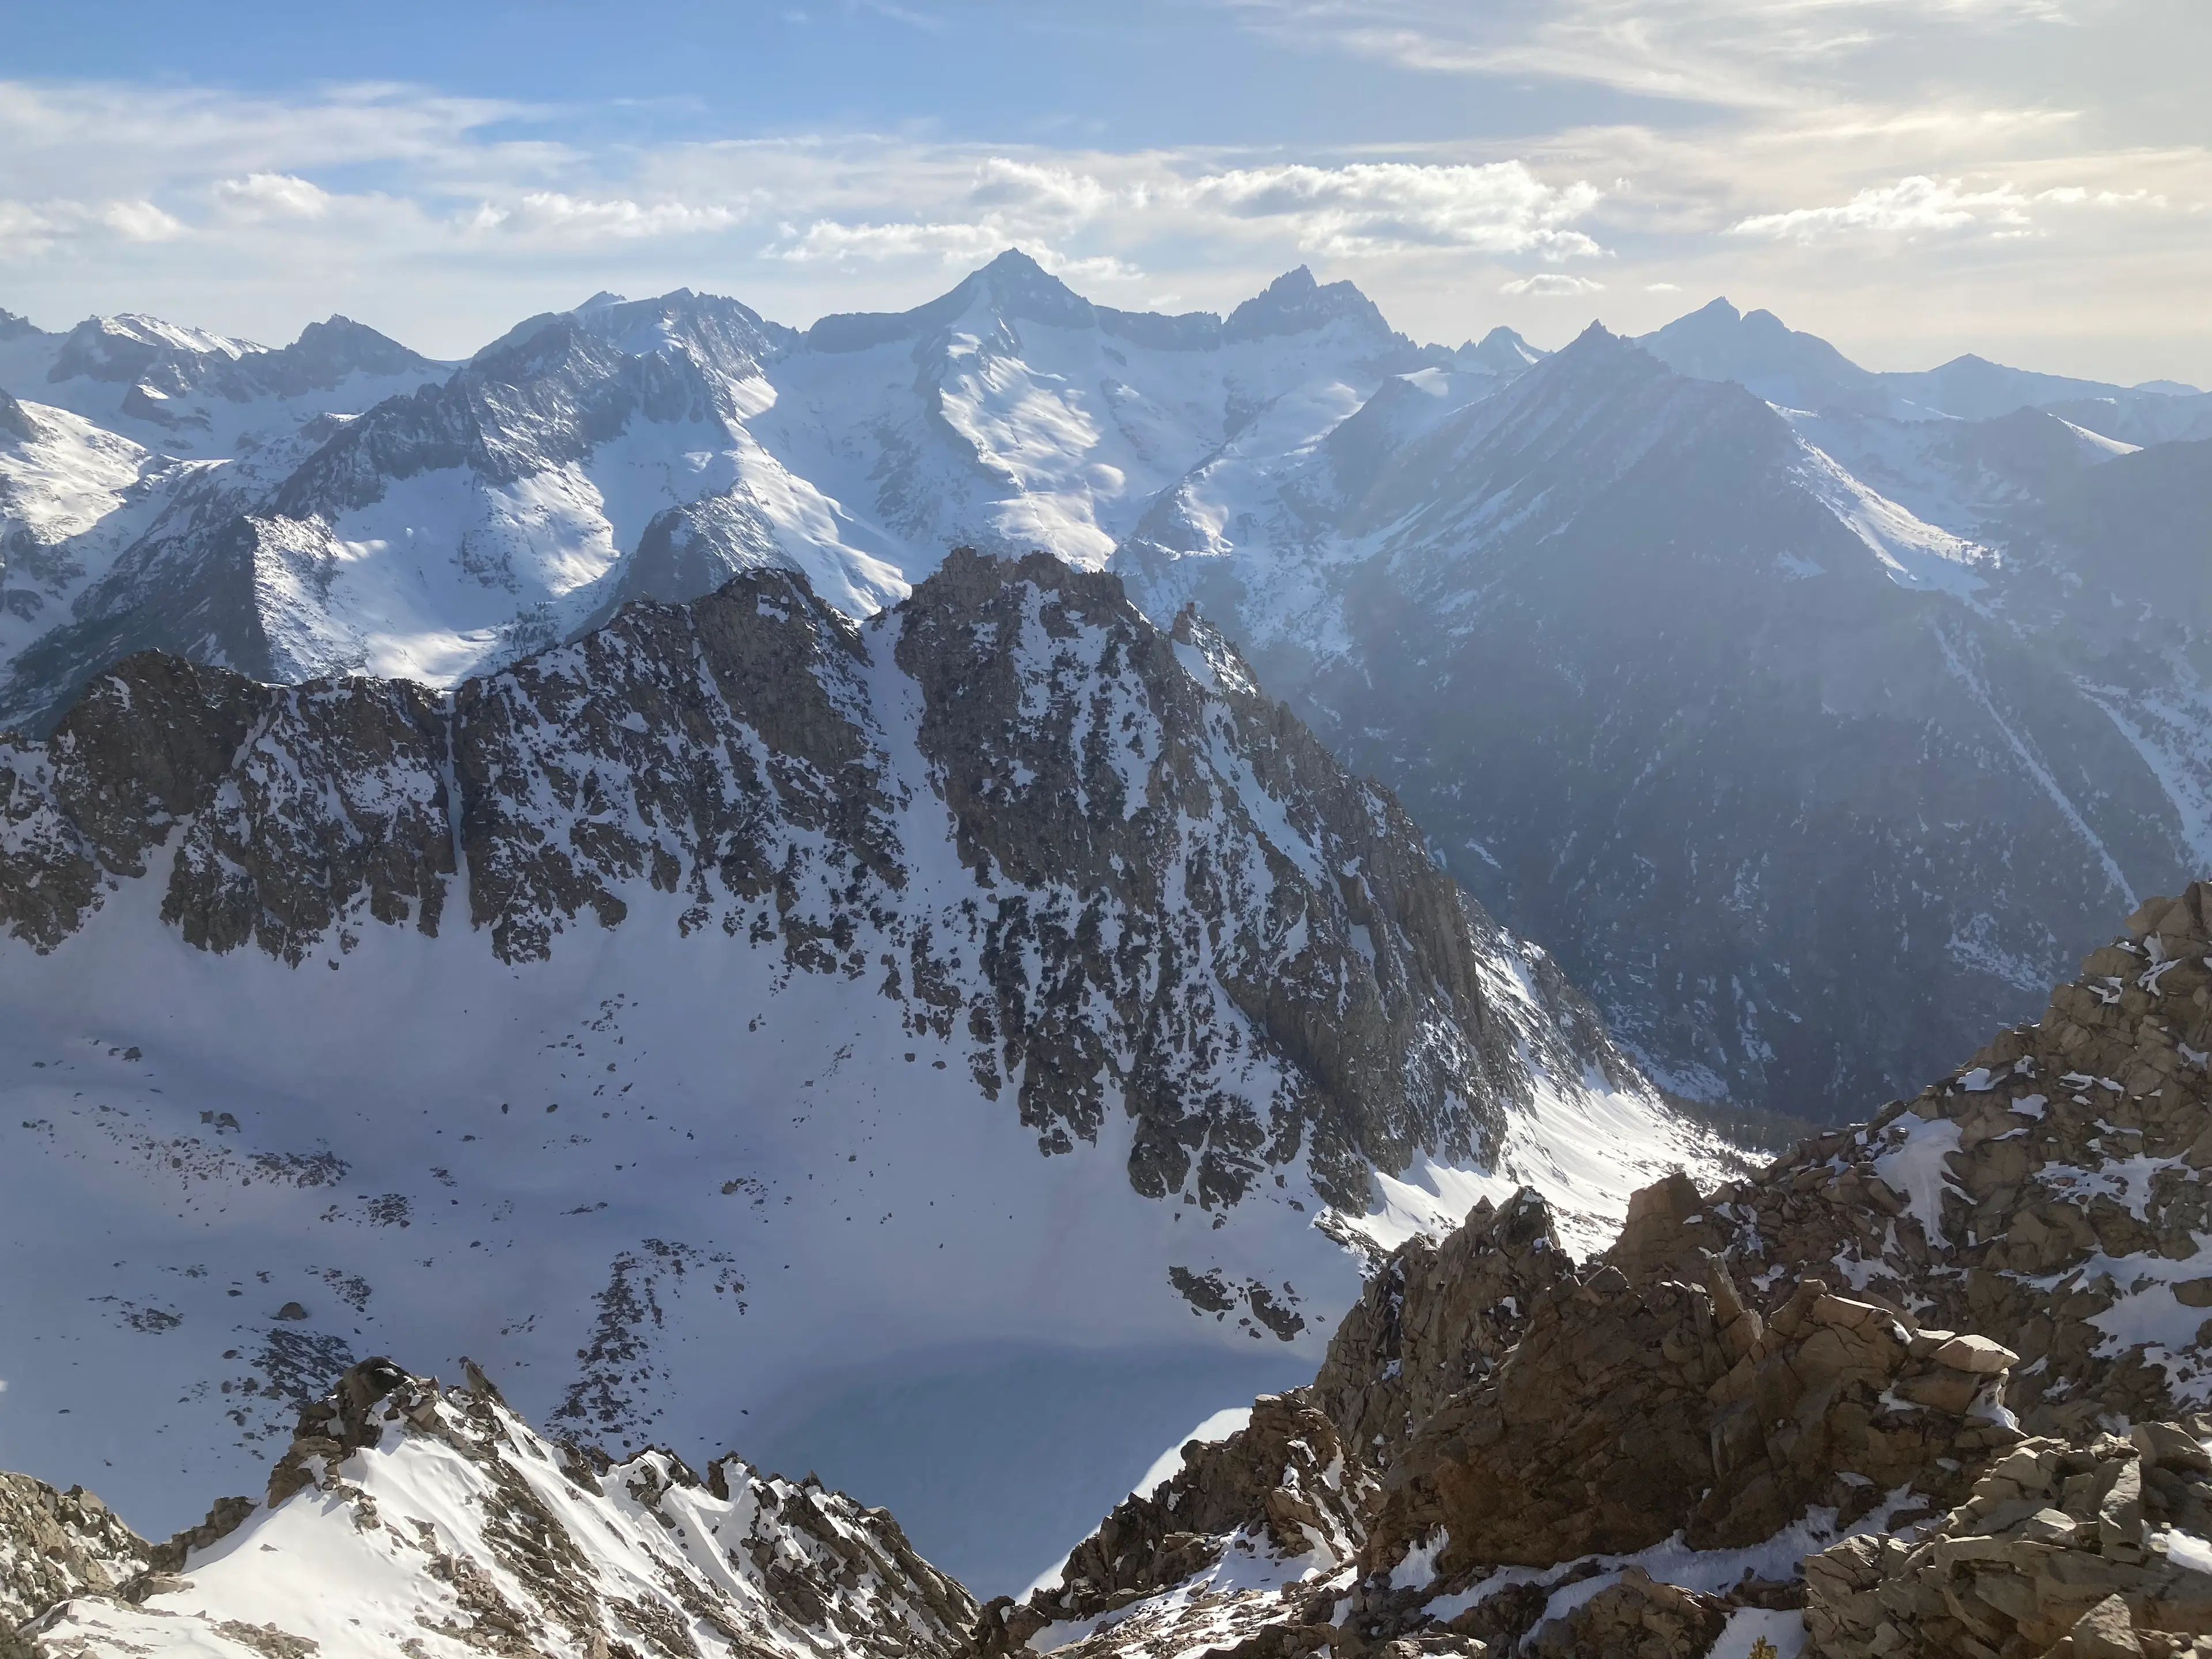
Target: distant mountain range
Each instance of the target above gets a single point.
(1736, 673)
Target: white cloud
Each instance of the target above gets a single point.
(1032, 189)
(1093, 268)
(826, 239)
(29, 229)
(272, 196)
(1920, 205)
(1662, 288)
(554, 215)
(139, 222)
(1372, 208)
(1550, 282)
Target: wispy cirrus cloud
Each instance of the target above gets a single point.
(1750, 54)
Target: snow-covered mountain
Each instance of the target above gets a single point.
(411, 1519)
(736, 1010)
(652, 449)
(1800, 371)
(1960, 445)
(1385, 526)
(1676, 689)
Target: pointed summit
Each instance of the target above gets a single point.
(1018, 287)
(1501, 351)
(1013, 285)
(1294, 304)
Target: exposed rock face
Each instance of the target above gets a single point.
(424, 1521)
(1491, 1405)
(2053, 1190)
(1167, 892)
(2100, 1546)
(1638, 1618)
(1624, 1417)
(54, 1545)
(1433, 1319)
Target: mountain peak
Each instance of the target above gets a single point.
(1013, 262)
(340, 346)
(1294, 303)
(1018, 287)
(1757, 349)
(1501, 351)
(601, 300)
(13, 327)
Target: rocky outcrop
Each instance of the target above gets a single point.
(1089, 852)
(1626, 1417)
(2093, 1551)
(1280, 1487)
(425, 1520)
(1638, 1618)
(1495, 1424)
(2053, 1189)
(14, 422)
(1434, 1318)
(54, 1545)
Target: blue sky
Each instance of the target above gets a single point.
(2028, 179)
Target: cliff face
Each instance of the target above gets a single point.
(1167, 891)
